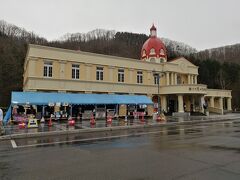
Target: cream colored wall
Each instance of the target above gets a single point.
(218, 93)
(25, 75)
(62, 81)
(180, 65)
(68, 71)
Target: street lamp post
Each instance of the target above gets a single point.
(156, 74)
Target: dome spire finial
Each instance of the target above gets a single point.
(153, 31)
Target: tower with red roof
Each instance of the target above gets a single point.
(153, 49)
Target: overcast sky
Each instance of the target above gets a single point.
(199, 23)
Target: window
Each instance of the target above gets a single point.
(152, 51)
(47, 69)
(152, 60)
(139, 77)
(99, 73)
(144, 52)
(178, 79)
(75, 71)
(162, 52)
(120, 75)
(156, 79)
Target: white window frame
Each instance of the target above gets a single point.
(152, 51)
(120, 75)
(156, 79)
(162, 52)
(47, 69)
(99, 73)
(75, 71)
(139, 77)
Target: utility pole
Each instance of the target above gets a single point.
(157, 75)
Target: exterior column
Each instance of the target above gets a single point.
(164, 103)
(189, 79)
(131, 76)
(195, 77)
(229, 104)
(221, 104)
(192, 107)
(62, 69)
(88, 71)
(180, 103)
(212, 102)
(201, 103)
(172, 79)
(167, 78)
(175, 76)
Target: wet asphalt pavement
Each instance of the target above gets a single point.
(202, 151)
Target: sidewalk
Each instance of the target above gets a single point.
(12, 131)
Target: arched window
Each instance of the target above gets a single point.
(152, 60)
(162, 52)
(144, 52)
(152, 51)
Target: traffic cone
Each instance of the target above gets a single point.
(71, 122)
(126, 120)
(159, 118)
(22, 125)
(142, 117)
(50, 122)
(109, 119)
(92, 120)
(42, 120)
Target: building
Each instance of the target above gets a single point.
(49, 69)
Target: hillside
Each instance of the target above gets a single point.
(14, 41)
(229, 53)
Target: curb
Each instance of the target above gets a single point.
(103, 129)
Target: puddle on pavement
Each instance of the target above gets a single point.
(189, 131)
(224, 148)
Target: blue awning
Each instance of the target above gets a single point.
(41, 98)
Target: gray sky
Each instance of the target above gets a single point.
(200, 23)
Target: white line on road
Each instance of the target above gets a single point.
(99, 138)
(14, 145)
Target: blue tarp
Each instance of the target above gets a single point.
(7, 115)
(41, 98)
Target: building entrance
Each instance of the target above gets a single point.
(172, 104)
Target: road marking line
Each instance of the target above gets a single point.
(14, 145)
(98, 138)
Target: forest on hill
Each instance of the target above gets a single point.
(14, 40)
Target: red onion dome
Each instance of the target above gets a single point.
(153, 47)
